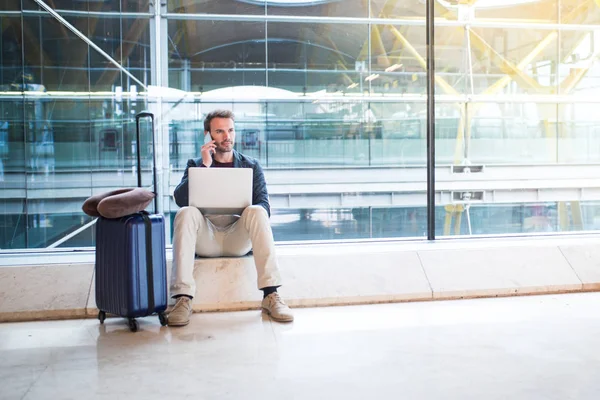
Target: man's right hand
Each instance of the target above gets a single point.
(207, 150)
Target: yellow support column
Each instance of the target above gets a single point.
(453, 211)
(458, 216)
(448, 222)
(563, 216)
(576, 215)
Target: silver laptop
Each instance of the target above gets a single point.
(220, 191)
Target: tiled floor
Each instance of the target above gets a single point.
(545, 347)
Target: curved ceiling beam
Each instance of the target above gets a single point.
(274, 40)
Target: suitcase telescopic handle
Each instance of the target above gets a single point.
(138, 117)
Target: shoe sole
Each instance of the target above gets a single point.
(277, 319)
(179, 324)
(169, 323)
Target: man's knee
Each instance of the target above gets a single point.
(187, 214)
(255, 212)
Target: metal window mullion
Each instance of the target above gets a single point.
(25, 200)
(92, 152)
(480, 23)
(292, 18)
(430, 41)
(77, 13)
(266, 52)
(159, 63)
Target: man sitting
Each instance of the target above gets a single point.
(224, 235)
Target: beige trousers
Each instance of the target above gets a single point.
(195, 234)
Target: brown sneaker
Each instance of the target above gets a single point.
(276, 308)
(181, 313)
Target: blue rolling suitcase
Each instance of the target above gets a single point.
(131, 264)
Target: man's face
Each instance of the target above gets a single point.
(223, 133)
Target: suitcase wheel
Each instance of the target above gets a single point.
(162, 317)
(101, 316)
(133, 324)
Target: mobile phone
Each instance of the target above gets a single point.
(208, 139)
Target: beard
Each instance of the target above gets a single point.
(225, 147)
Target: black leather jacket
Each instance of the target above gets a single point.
(259, 186)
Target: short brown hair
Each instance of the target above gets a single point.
(216, 114)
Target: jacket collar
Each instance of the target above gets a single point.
(237, 159)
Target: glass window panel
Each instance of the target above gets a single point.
(29, 5)
(396, 134)
(96, 6)
(403, 9)
(576, 124)
(108, 149)
(500, 61)
(242, 7)
(348, 223)
(528, 11)
(85, 238)
(508, 148)
(309, 58)
(107, 33)
(590, 211)
(136, 50)
(80, 5)
(584, 13)
(185, 127)
(127, 41)
(11, 5)
(49, 221)
(519, 218)
(12, 174)
(13, 224)
(578, 66)
(12, 137)
(496, 133)
(508, 153)
(12, 151)
(449, 139)
(58, 135)
(578, 135)
(11, 56)
(255, 126)
(317, 8)
(321, 134)
(320, 224)
(207, 55)
(398, 55)
(135, 5)
(54, 57)
(58, 154)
